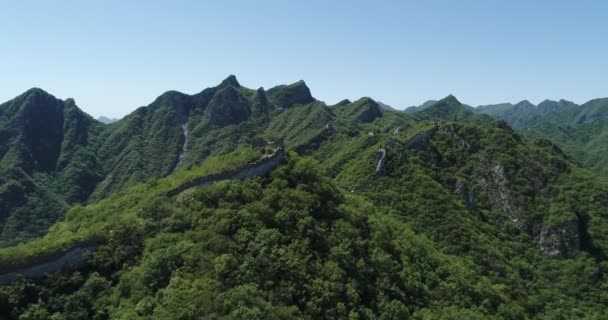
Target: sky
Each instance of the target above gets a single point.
(114, 56)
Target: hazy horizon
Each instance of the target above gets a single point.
(113, 57)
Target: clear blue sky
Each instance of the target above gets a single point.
(113, 56)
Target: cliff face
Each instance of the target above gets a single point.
(421, 140)
(228, 106)
(561, 241)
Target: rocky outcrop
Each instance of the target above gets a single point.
(459, 139)
(381, 162)
(182, 155)
(500, 197)
(561, 241)
(420, 140)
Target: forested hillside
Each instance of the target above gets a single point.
(581, 130)
(53, 155)
(372, 214)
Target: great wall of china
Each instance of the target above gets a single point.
(75, 256)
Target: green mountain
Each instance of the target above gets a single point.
(581, 131)
(450, 109)
(371, 214)
(55, 156)
(47, 162)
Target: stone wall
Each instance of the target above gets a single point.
(258, 168)
(73, 258)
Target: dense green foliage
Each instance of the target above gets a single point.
(52, 155)
(582, 131)
(47, 162)
(474, 222)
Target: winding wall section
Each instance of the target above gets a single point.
(75, 257)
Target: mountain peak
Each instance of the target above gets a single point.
(36, 93)
(365, 110)
(230, 81)
(295, 93)
(35, 90)
(343, 103)
(524, 104)
(450, 100)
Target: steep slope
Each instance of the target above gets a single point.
(385, 106)
(47, 162)
(473, 223)
(421, 107)
(53, 153)
(439, 214)
(580, 130)
(450, 109)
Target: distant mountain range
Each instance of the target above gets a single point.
(581, 130)
(107, 120)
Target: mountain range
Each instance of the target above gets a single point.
(254, 204)
(581, 130)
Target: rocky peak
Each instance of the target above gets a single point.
(36, 119)
(450, 100)
(226, 107)
(288, 95)
(555, 106)
(230, 81)
(562, 240)
(343, 103)
(524, 104)
(365, 110)
(261, 105)
(181, 103)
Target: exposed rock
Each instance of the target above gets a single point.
(500, 197)
(261, 106)
(420, 140)
(561, 241)
(381, 161)
(460, 140)
(230, 81)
